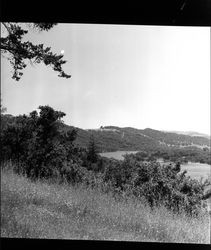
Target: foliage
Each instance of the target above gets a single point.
(45, 209)
(19, 51)
(41, 146)
(92, 151)
(159, 184)
(182, 155)
(36, 144)
(156, 144)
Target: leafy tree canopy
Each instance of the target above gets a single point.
(20, 51)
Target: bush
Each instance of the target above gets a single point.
(37, 144)
(159, 185)
(40, 147)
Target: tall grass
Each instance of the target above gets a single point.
(42, 209)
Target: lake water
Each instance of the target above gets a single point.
(194, 170)
(197, 170)
(118, 155)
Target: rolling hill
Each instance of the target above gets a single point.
(112, 138)
(191, 133)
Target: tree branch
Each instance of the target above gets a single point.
(21, 51)
(7, 28)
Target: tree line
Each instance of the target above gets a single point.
(175, 154)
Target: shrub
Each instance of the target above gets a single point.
(37, 144)
(158, 184)
(41, 147)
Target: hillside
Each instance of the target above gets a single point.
(191, 133)
(111, 138)
(59, 211)
(57, 189)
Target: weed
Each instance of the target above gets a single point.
(61, 211)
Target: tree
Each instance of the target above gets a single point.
(92, 151)
(14, 138)
(20, 51)
(45, 150)
(37, 143)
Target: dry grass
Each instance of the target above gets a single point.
(49, 210)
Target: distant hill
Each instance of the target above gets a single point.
(191, 133)
(112, 138)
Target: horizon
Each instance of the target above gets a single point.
(125, 75)
(167, 131)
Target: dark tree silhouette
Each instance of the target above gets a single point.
(20, 51)
(92, 151)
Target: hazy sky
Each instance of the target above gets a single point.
(123, 75)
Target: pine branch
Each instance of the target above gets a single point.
(21, 51)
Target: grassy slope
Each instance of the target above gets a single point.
(47, 210)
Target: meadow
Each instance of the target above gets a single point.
(47, 209)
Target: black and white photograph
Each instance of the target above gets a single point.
(105, 132)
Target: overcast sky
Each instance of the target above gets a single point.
(123, 75)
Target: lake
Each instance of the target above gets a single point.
(118, 155)
(197, 170)
(194, 170)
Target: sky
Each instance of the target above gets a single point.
(122, 75)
